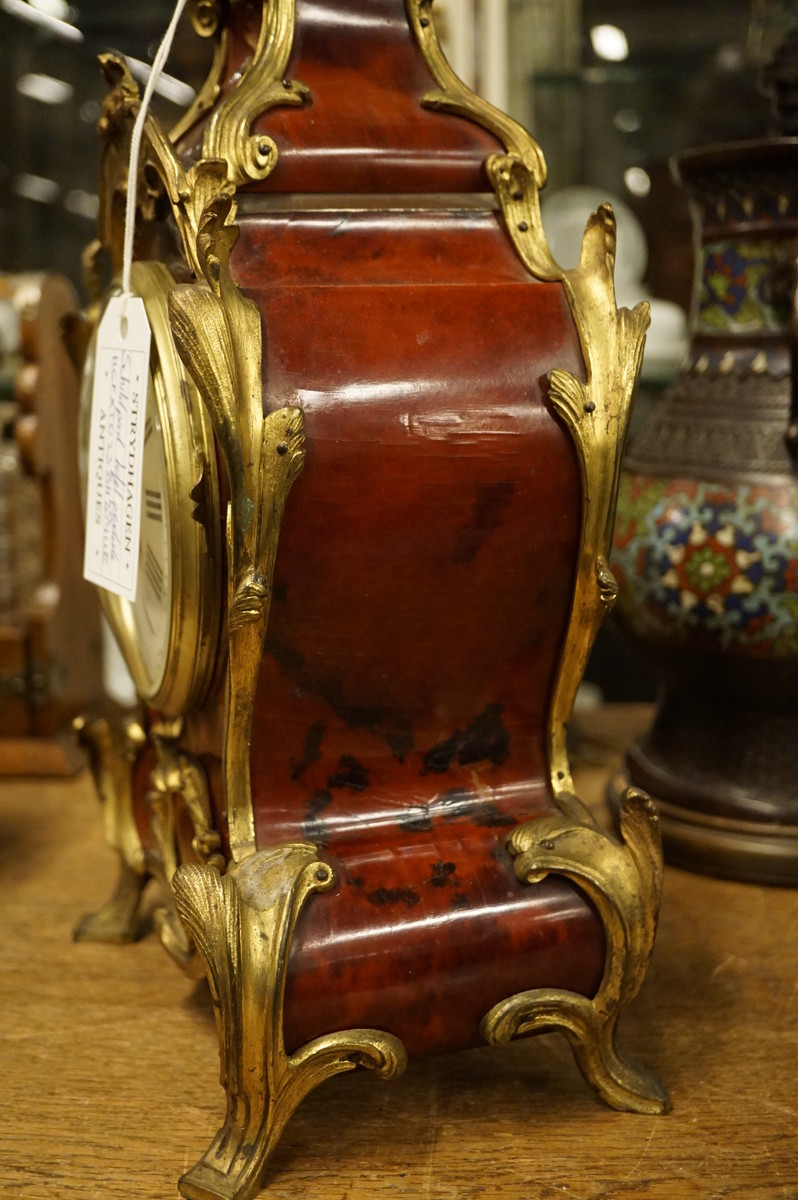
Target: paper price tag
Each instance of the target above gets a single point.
(116, 442)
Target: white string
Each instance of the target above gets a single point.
(158, 64)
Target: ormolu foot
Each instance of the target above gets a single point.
(242, 925)
(624, 880)
(117, 921)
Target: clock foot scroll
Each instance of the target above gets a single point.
(112, 753)
(118, 919)
(624, 881)
(242, 925)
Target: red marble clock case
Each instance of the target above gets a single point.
(426, 563)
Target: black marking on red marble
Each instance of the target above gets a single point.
(383, 896)
(449, 806)
(490, 505)
(317, 803)
(350, 774)
(317, 832)
(311, 750)
(454, 805)
(444, 874)
(484, 740)
(459, 900)
(489, 816)
(313, 827)
(290, 661)
(394, 727)
(417, 819)
(400, 742)
(501, 855)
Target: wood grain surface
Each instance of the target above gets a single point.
(110, 1070)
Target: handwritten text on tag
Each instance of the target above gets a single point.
(116, 440)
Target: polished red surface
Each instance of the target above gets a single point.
(423, 936)
(426, 560)
(421, 596)
(363, 128)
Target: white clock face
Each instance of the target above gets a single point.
(152, 610)
(169, 634)
(142, 628)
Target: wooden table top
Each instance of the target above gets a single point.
(110, 1069)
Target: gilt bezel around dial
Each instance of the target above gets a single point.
(169, 635)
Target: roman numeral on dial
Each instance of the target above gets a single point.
(153, 572)
(153, 505)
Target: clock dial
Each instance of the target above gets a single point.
(152, 609)
(168, 635)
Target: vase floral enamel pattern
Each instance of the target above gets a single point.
(706, 539)
(363, 820)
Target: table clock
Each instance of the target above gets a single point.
(385, 430)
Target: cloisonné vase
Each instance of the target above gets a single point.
(706, 538)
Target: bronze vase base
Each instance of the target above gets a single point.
(741, 850)
(724, 781)
(724, 777)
